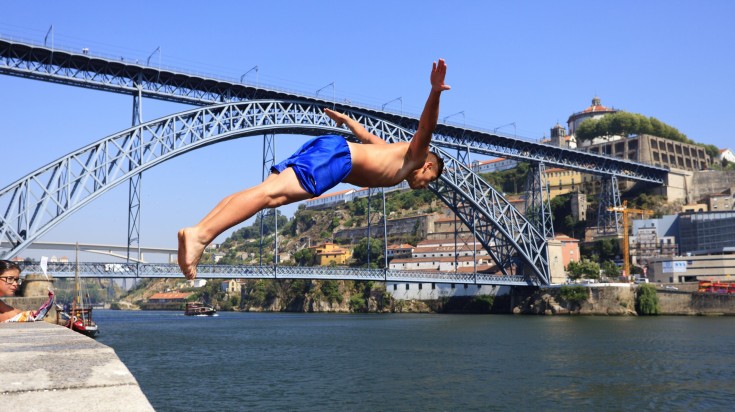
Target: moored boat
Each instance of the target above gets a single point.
(78, 315)
(78, 319)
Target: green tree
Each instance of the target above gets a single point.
(357, 303)
(584, 268)
(647, 300)
(611, 269)
(330, 290)
(713, 151)
(626, 124)
(305, 257)
(575, 295)
(374, 247)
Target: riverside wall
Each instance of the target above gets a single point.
(47, 367)
(619, 299)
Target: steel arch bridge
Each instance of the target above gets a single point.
(76, 184)
(28, 60)
(40, 200)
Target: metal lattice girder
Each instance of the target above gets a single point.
(609, 221)
(27, 203)
(538, 200)
(269, 160)
(502, 230)
(134, 185)
(171, 270)
(113, 75)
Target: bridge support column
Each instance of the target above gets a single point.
(269, 159)
(538, 200)
(370, 224)
(463, 157)
(134, 186)
(609, 222)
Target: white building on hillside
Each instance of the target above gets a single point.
(727, 154)
(438, 254)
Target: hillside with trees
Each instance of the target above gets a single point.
(630, 124)
(311, 227)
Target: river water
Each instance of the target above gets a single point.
(405, 362)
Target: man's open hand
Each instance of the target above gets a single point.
(438, 72)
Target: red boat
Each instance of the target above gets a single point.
(78, 320)
(79, 316)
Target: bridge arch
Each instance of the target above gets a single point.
(42, 199)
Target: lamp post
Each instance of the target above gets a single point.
(256, 75)
(51, 33)
(330, 84)
(400, 99)
(464, 121)
(508, 124)
(158, 50)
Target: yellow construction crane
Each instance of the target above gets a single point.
(625, 210)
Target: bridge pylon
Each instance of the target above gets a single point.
(609, 220)
(538, 200)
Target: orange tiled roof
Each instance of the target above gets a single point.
(326, 195)
(431, 259)
(170, 295)
(401, 246)
(597, 108)
(487, 162)
(564, 237)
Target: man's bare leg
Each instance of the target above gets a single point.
(276, 190)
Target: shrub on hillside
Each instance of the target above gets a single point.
(646, 303)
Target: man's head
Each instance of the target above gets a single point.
(429, 172)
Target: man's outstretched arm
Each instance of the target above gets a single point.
(356, 128)
(419, 147)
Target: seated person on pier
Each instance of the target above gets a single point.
(9, 282)
(322, 163)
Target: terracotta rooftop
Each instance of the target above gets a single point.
(401, 246)
(170, 295)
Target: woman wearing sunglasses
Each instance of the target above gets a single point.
(9, 283)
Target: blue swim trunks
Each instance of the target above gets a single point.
(320, 164)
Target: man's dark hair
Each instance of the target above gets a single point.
(439, 164)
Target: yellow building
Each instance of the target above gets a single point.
(329, 252)
(562, 181)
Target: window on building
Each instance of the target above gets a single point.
(433, 286)
(395, 286)
(452, 285)
(408, 286)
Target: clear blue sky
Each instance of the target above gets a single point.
(529, 62)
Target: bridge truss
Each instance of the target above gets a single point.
(42, 199)
(163, 270)
(38, 62)
(79, 177)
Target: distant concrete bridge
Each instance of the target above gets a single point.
(101, 249)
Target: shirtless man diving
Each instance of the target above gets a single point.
(322, 163)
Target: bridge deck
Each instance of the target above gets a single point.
(90, 71)
(163, 270)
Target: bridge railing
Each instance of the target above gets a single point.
(169, 270)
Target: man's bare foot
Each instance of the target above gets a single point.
(190, 251)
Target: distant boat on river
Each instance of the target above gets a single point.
(199, 309)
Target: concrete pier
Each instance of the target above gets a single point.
(45, 367)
